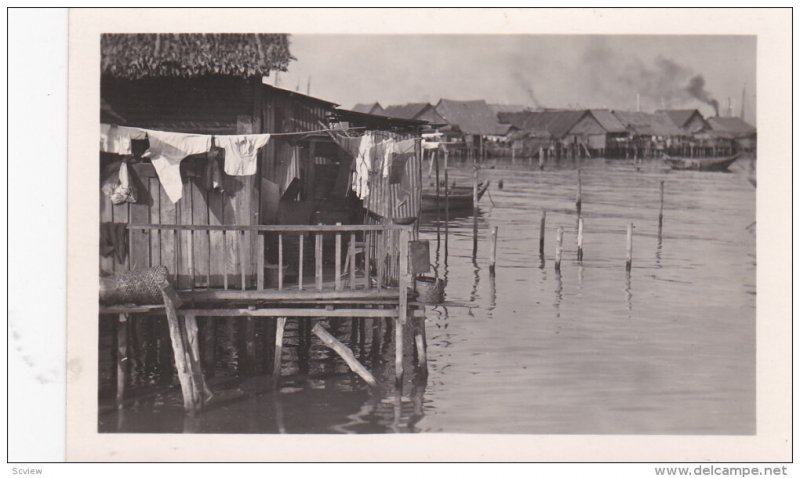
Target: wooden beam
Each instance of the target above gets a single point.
(284, 312)
(272, 228)
(288, 295)
(122, 357)
(276, 365)
(343, 351)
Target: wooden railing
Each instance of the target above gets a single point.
(234, 257)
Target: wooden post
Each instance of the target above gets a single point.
(259, 263)
(300, 263)
(398, 355)
(122, 357)
(419, 341)
(402, 312)
(191, 395)
(446, 205)
(344, 352)
(318, 260)
(578, 194)
(629, 248)
(276, 363)
(337, 280)
(493, 249)
(661, 206)
(559, 249)
(580, 239)
(541, 233)
(474, 207)
(351, 252)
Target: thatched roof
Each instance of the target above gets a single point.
(731, 126)
(136, 56)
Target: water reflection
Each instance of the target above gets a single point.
(491, 368)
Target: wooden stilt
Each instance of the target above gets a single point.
(276, 365)
(578, 193)
(661, 206)
(122, 357)
(182, 363)
(580, 239)
(419, 341)
(493, 250)
(193, 341)
(559, 248)
(208, 348)
(629, 248)
(541, 233)
(398, 355)
(343, 351)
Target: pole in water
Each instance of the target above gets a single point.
(541, 233)
(629, 248)
(578, 194)
(661, 206)
(580, 239)
(475, 205)
(559, 248)
(493, 258)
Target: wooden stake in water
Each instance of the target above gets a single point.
(559, 248)
(580, 239)
(541, 233)
(661, 206)
(474, 206)
(493, 249)
(578, 194)
(629, 248)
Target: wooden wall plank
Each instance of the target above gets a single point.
(184, 212)
(121, 214)
(155, 218)
(168, 215)
(106, 215)
(229, 214)
(216, 241)
(140, 214)
(200, 214)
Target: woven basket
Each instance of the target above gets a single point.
(430, 290)
(134, 287)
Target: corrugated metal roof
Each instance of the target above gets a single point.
(556, 123)
(732, 125)
(608, 121)
(648, 124)
(680, 117)
(471, 117)
(369, 108)
(497, 108)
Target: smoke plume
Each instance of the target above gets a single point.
(697, 88)
(525, 85)
(610, 78)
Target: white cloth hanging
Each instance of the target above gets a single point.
(167, 150)
(363, 166)
(241, 152)
(117, 139)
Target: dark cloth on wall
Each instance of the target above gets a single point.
(114, 240)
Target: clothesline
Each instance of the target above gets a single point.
(292, 133)
(167, 150)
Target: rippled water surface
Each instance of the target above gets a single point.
(666, 349)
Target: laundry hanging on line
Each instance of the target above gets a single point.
(241, 152)
(167, 150)
(117, 139)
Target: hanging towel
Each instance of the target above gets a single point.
(167, 150)
(241, 152)
(396, 147)
(363, 166)
(117, 139)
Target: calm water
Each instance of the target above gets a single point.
(668, 349)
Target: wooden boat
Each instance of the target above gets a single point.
(701, 164)
(459, 197)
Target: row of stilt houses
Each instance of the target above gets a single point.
(514, 130)
(242, 201)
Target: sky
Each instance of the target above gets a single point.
(555, 71)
